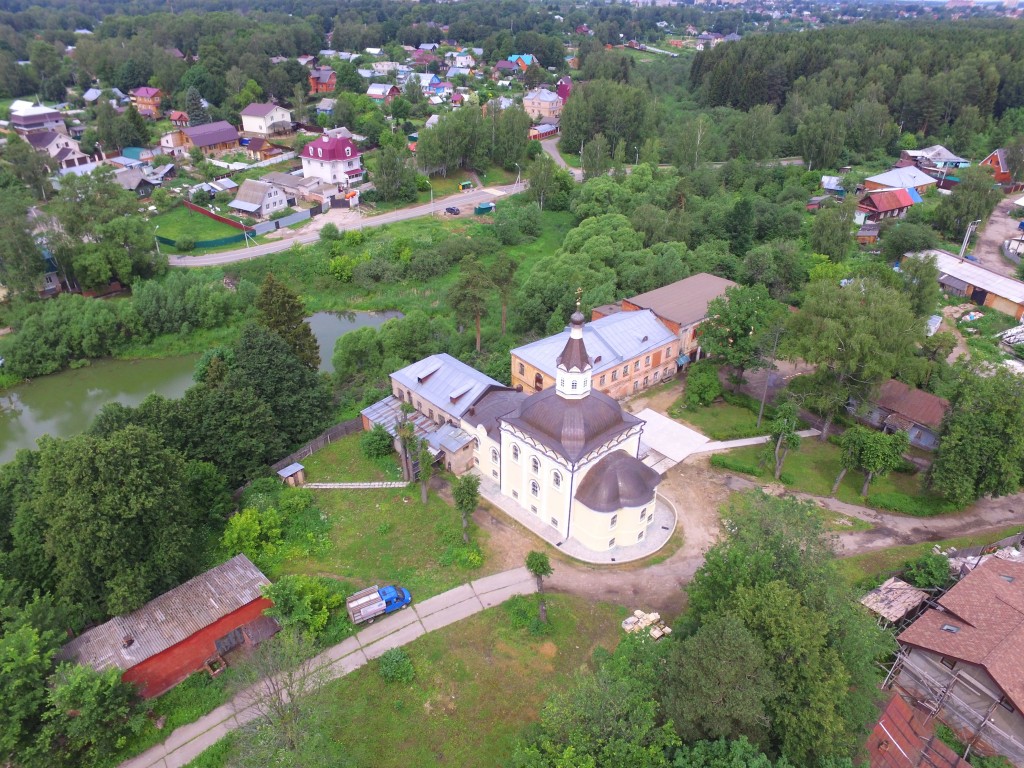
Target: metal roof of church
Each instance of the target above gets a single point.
(441, 380)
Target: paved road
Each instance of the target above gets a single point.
(466, 201)
(188, 741)
(551, 147)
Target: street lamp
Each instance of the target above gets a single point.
(156, 239)
(431, 197)
(637, 154)
(519, 173)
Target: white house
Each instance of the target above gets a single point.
(259, 199)
(333, 160)
(266, 120)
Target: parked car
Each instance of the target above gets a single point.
(369, 603)
(452, 210)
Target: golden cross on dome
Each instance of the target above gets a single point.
(579, 295)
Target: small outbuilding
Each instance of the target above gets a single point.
(293, 474)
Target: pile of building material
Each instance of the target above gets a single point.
(652, 622)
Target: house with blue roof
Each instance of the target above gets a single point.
(630, 351)
(522, 60)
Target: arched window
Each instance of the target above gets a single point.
(556, 478)
(538, 382)
(515, 453)
(494, 455)
(535, 465)
(574, 383)
(476, 443)
(534, 488)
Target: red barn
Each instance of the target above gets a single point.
(181, 631)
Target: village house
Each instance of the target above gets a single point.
(996, 160)
(333, 160)
(904, 737)
(146, 101)
(982, 286)
(900, 407)
(629, 351)
(564, 88)
(542, 105)
(325, 106)
(383, 93)
(220, 136)
(384, 67)
(259, 150)
(135, 180)
(961, 659)
(266, 120)
(93, 95)
(259, 199)
(935, 156)
(901, 178)
(522, 61)
(504, 69)
(294, 187)
(26, 119)
(886, 204)
(190, 628)
(681, 306)
(461, 59)
(427, 81)
(179, 119)
(61, 150)
(322, 80)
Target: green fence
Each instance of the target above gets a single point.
(216, 243)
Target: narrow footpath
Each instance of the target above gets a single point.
(398, 629)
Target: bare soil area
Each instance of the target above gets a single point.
(999, 227)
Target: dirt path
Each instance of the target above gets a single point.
(999, 227)
(949, 318)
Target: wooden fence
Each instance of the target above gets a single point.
(314, 445)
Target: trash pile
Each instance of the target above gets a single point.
(640, 621)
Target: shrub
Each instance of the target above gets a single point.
(724, 461)
(330, 232)
(702, 384)
(376, 443)
(523, 615)
(927, 571)
(304, 602)
(185, 244)
(396, 666)
(353, 237)
(917, 506)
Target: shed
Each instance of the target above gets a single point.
(894, 600)
(484, 208)
(464, 185)
(294, 474)
(179, 632)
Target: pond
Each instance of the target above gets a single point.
(328, 327)
(64, 404)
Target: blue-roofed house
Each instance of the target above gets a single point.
(630, 352)
(522, 60)
(441, 389)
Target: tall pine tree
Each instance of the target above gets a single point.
(197, 114)
(282, 312)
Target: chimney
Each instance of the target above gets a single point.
(127, 641)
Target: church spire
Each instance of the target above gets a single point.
(574, 366)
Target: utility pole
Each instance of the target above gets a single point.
(967, 237)
(768, 376)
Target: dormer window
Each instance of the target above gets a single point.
(950, 628)
(319, 152)
(348, 151)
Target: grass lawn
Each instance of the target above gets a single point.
(814, 466)
(343, 462)
(181, 222)
(859, 568)
(387, 536)
(719, 421)
(497, 176)
(980, 334)
(478, 683)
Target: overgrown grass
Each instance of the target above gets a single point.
(174, 345)
(478, 683)
(719, 421)
(814, 466)
(859, 569)
(981, 334)
(386, 536)
(343, 462)
(198, 695)
(497, 176)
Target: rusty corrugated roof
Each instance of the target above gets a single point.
(917, 405)
(168, 619)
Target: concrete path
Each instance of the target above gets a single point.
(355, 485)
(551, 147)
(466, 200)
(398, 629)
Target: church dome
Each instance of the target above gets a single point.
(572, 427)
(616, 482)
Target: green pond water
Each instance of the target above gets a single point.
(64, 404)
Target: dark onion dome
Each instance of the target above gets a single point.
(572, 428)
(618, 480)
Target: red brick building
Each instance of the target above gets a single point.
(181, 631)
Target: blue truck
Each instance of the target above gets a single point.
(367, 604)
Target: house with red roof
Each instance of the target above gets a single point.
(333, 160)
(919, 413)
(961, 659)
(179, 119)
(887, 204)
(147, 101)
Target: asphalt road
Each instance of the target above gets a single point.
(465, 201)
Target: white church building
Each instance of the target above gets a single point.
(567, 454)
